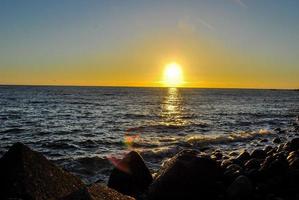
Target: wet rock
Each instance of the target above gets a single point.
(277, 129)
(264, 140)
(252, 164)
(294, 164)
(226, 163)
(241, 188)
(277, 140)
(274, 165)
(294, 144)
(243, 157)
(28, 175)
(97, 192)
(268, 149)
(233, 154)
(258, 153)
(232, 172)
(217, 155)
(130, 176)
(292, 155)
(187, 176)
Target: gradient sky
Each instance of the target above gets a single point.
(219, 43)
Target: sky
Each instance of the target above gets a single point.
(218, 43)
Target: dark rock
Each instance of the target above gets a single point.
(294, 164)
(232, 172)
(217, 155)
(234, 167)
(233, 154)
(287, 146)
(277, 129)
(243, 157)
(264, 140)
(252, 164)
(28, 175)
(274, 165)
(96, 192)
(130, 176)
(187, 176)
(294, 144)
(277, 140)
(259, 154)
(241, 188)
(292, 155)
(226, 163)
(268, 149)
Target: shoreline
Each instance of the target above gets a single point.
(258, 174)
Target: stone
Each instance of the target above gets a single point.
(232, 172)
(252, 164)
(277, 129)
(259, 154)
(28, 175)
(226, 163)
(187, 176)
(268, 149)
(277, 140)
(292, 155)
(243, 157)
(241, 188)
(130, 175)
(264, 140)
(294, 164)
(294, 144)
(97, 192)
(274, 165)
(217, 155)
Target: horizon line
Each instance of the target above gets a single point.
(130, 86)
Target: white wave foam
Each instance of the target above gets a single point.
(227, 138)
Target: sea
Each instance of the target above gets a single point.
(83, 129)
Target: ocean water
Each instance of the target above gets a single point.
(83, 128)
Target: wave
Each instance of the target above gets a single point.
(13, 130)
(227, 138)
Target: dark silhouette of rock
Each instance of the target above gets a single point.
(268, 149)
(274, 165)
(277, 140)
(294, 144)
(130, 176)
(240, 189)
(259, 154)
(97, 192)
(264, 140)
(243, 157)
(232, 172)
(252, 164)
(187, 176)
(28, 175)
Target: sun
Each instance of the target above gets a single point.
(173, 75)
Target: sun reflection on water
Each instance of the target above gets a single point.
(172, 108)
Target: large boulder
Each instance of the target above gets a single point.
(130, 175)
(294, 144)
(187, 176)
(97, 192)
(28, 175)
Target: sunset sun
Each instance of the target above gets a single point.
(173, 75)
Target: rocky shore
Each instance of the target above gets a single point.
(271, 173)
